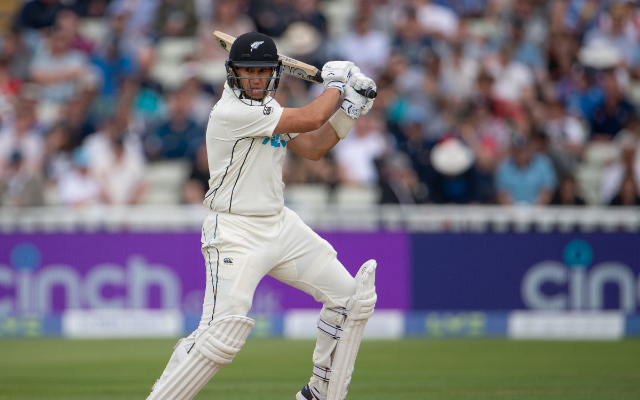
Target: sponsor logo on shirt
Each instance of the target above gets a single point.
(275, 141)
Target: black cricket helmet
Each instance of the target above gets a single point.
(255, 50)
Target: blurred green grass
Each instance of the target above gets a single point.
(277, 369)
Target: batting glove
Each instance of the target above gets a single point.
(361, 82)
(335, 74)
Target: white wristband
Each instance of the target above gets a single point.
(341, 123)
(336, 85)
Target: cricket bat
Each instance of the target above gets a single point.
(291, 66)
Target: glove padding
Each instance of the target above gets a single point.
(335, 74)
(354, 104)
(361, 82)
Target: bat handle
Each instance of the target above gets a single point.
(369, 93)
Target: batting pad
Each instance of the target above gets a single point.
(360, 308)
(214, 348)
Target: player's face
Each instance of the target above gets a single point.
(256, 82)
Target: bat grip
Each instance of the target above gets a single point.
(369, 93)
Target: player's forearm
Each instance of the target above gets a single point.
(324, 105)
(314, 145)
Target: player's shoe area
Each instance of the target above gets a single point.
(309, 393)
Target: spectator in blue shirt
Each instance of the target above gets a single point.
(612, 116)
(525, 177)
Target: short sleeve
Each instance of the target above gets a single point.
(253, 121)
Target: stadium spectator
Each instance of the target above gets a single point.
(409, 39)
(272, 17)
(9, 85)
(37, 14)
(18, 55)
(23, 135)
(175, 18)
(308, 11)
(120, 172)
(368, 48)
(525, 177)
(511, 77)
(79, 121)
(229, 17)
(135, 18)
(437, 21)
(567, 193)
(77, 187)
(627, 163)
(19, 185)
(118, 124)
(59, 147)
(357, 154)
(399, 183)
(197, 185)
(115, 63)
(618, 30)
(458, 74)
(415, 144)
(611, 117)
(199, 96)
(566, 136)
(454, 177)
(627, 193)
(59, 70)
(67, 20)
(179, 136)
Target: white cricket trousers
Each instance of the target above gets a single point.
(240, 250)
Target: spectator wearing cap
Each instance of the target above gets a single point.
(525, 177)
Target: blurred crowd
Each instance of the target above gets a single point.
(479, 101)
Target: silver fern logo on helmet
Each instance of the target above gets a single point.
(255, 45)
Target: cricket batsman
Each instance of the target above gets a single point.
(249, 233)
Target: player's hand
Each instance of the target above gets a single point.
(361, 82)
(335, 74)
(354, 104)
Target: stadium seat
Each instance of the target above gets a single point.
(361, 195)
(94, 29)
(311, 195)
(165, 180)
(589, 173)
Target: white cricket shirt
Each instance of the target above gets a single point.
(245, 158)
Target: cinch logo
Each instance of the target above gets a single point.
(275, 141)
(29, 287)
(552, 285)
